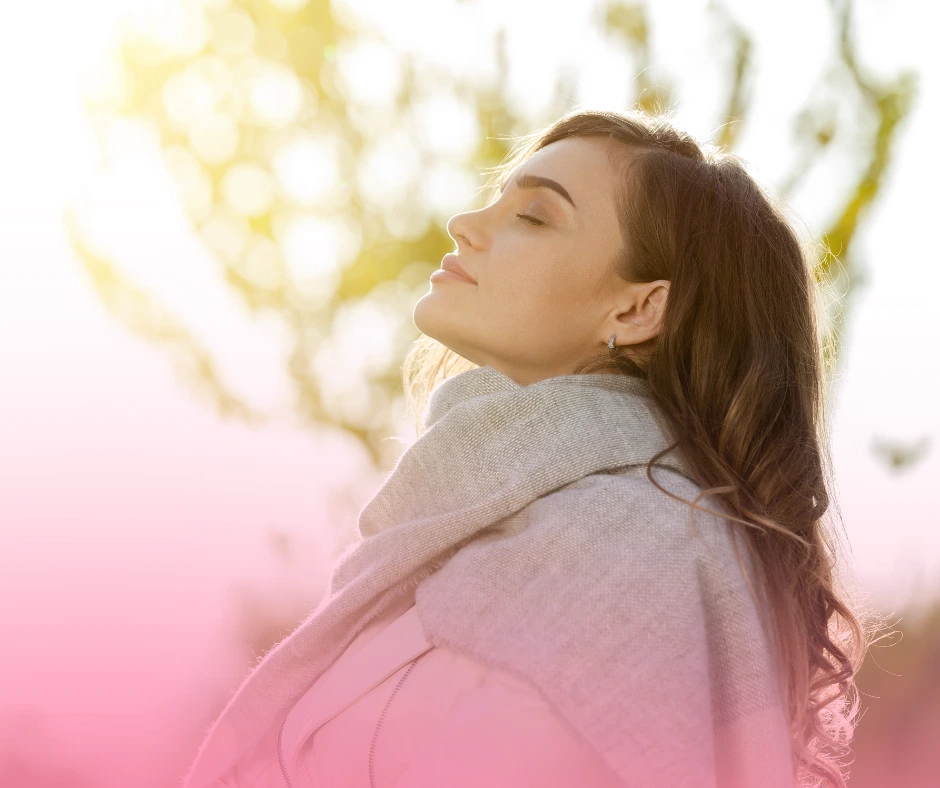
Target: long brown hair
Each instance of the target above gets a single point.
(737, 370)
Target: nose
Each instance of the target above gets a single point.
(458, 228)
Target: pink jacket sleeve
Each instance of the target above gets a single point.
(505, 736)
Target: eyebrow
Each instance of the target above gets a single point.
(526, 181)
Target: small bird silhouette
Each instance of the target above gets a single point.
(899, 455)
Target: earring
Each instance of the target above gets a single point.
(610, 342)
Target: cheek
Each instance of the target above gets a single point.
(551, 287)
(520, 297)
(528, 277)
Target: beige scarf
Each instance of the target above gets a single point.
(525, 520)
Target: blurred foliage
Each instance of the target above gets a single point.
(896, 739)
(17, 769)
(32, 757)
(279, 159)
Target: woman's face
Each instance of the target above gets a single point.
(545, 295)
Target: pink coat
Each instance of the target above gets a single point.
(394, 711)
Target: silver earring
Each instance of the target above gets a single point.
(610, 342)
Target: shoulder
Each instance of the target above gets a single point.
(617, 540)
(625, 510)
(648, 542)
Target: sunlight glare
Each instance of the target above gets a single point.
(369, 72)
(387, 168)
(232, 32)
(248, 189)
(448, 126)
(214, 138)
(276, 94)
(193, 181)
(164, 28)
(315, 249)
(307, 168)
(289, 5)
(225, 233)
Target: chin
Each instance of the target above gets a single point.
(429, 318)
(437, 322)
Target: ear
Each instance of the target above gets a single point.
(638, 315)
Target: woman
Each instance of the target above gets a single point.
(530, 604)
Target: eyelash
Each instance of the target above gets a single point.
(530, 219)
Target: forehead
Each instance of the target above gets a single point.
(582, 166)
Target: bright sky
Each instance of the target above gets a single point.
(120, 487)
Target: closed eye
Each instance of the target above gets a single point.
(530, 219)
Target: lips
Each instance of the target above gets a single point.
(449, 263)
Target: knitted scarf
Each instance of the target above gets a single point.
(524, 519)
